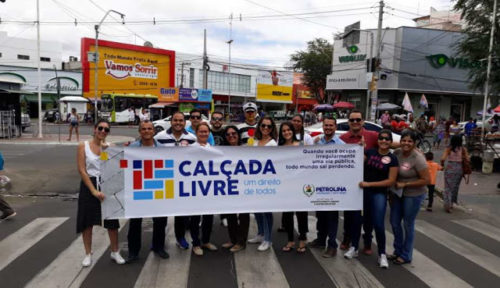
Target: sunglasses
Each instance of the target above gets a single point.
(230, 134)
(355, 119)
(106, 129)
(266, 126)
(385, 138)
(195, 117)
(217, 119)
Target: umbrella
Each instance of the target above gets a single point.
(407, 104)
(323, 107)
(388, 106)
(423, 102)
(343, 105)
(497, 110)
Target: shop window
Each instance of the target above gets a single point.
(45, 59)
(23, 57)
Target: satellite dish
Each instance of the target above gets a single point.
(148, 44)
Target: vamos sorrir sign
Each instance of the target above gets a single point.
(127, 69)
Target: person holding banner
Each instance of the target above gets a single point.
(411, 188)
(298, 125)
(195, 118)
(90, 198)
(247, 129)
(328, 221)
(146, 131)
(237, 224)
(380, 172)
(266, 135)
(176, 135)
(287, 137)
(202, 136)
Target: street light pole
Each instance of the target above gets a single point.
(39, 71)
(96, 56)
(488, 69)
(229, 66)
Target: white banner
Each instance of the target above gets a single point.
(146, 182)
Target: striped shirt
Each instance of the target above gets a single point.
(167, 138)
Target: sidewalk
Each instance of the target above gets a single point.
(54, 139)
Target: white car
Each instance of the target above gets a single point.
(164, 124)
(343, 126)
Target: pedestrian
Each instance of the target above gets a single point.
(202, 133)
(453, 172)
(237, 224)
(73, 119)
(287, 137)
(131, 116)
(469, 128)
(195, 118)
(385, 119)
(177, 135)
(439, 133)
(328, 221)
(216, 123)
(411, 188)
(380, 173)
(455, 128)
(433, 169)
(90, 197)
(144, 115)
(7, 210)
(247, 129)
(146, 132)
(298, 125)
(265, 135)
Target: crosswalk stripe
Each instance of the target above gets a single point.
(66, 270)
(344, 273)
(173, 272)
(481, 227)
(258, 269)
(428, 271)
(464, 248)
(19, 242)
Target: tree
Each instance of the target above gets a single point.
(315, 63)
(475, 45)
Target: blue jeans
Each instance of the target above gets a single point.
(264, 225)
(378, 204)
(404, 209)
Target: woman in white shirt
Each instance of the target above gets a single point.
(265, 135)
(298, 125)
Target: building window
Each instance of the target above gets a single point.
(219, 81)
(45, 59)
(0, 54)
(23, 57)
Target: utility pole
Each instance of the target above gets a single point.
(488, 69)
(375, 78)
(229, 66)
(39, 71)
(58, 83)
(205, 60)
(182, 75)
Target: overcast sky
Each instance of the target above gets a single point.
(263, 35)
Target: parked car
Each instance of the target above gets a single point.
(25, 121)
(316, 130)
(164, 124)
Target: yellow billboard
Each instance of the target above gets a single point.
(127, 69)
(273, 86)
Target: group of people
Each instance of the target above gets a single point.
(399, 178)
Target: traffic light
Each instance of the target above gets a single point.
(373, 83)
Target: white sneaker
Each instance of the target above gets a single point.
(351, 253)
(264, 246)
(87, 261)
(382, 261)
(117, 257)
(256, 239)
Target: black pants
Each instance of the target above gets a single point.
(180, 226)
(431, 195)
(5, 207)
(238, 232)
(301, 220)
(347, 224)
(135, 233)
(206, 229)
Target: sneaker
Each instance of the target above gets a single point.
(227, 245)
(6, 216)
(224, 222)
(382, 261)
(87, 261)
(351, 253)
(209, 246)
(316, 243)
(236, 248)
(256, 239)
(162, 254)
(183, 244)
(330, 252)
(367, 250)
(132, 258)
(265, 245)
(117, 257)
(197, 251)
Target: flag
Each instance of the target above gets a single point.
(423, 102)
(407, 104)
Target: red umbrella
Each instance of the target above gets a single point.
(497, 109)
(343, 105)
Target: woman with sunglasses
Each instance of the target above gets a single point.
(90, 198)
(202, 131)
(265, 135)
(287, 137)
(380, 172)
(413, 178)
(237, 224)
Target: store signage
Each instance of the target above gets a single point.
(195, 95)
(65, 84)
(439, 60)
(121, 70)
(353, 49)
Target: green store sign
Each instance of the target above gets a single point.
(439, 60)
(353, 49)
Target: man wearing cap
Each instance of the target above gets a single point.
(248, 127)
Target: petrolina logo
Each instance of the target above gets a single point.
(308, 190)
(122, 71)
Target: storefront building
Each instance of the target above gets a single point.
(413, 60)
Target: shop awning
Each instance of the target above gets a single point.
(34, 98)
(162, 104)
(24, 92)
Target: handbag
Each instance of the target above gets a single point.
(466, 166)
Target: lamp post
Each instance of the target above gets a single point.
(96, 56)
(229, 42)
